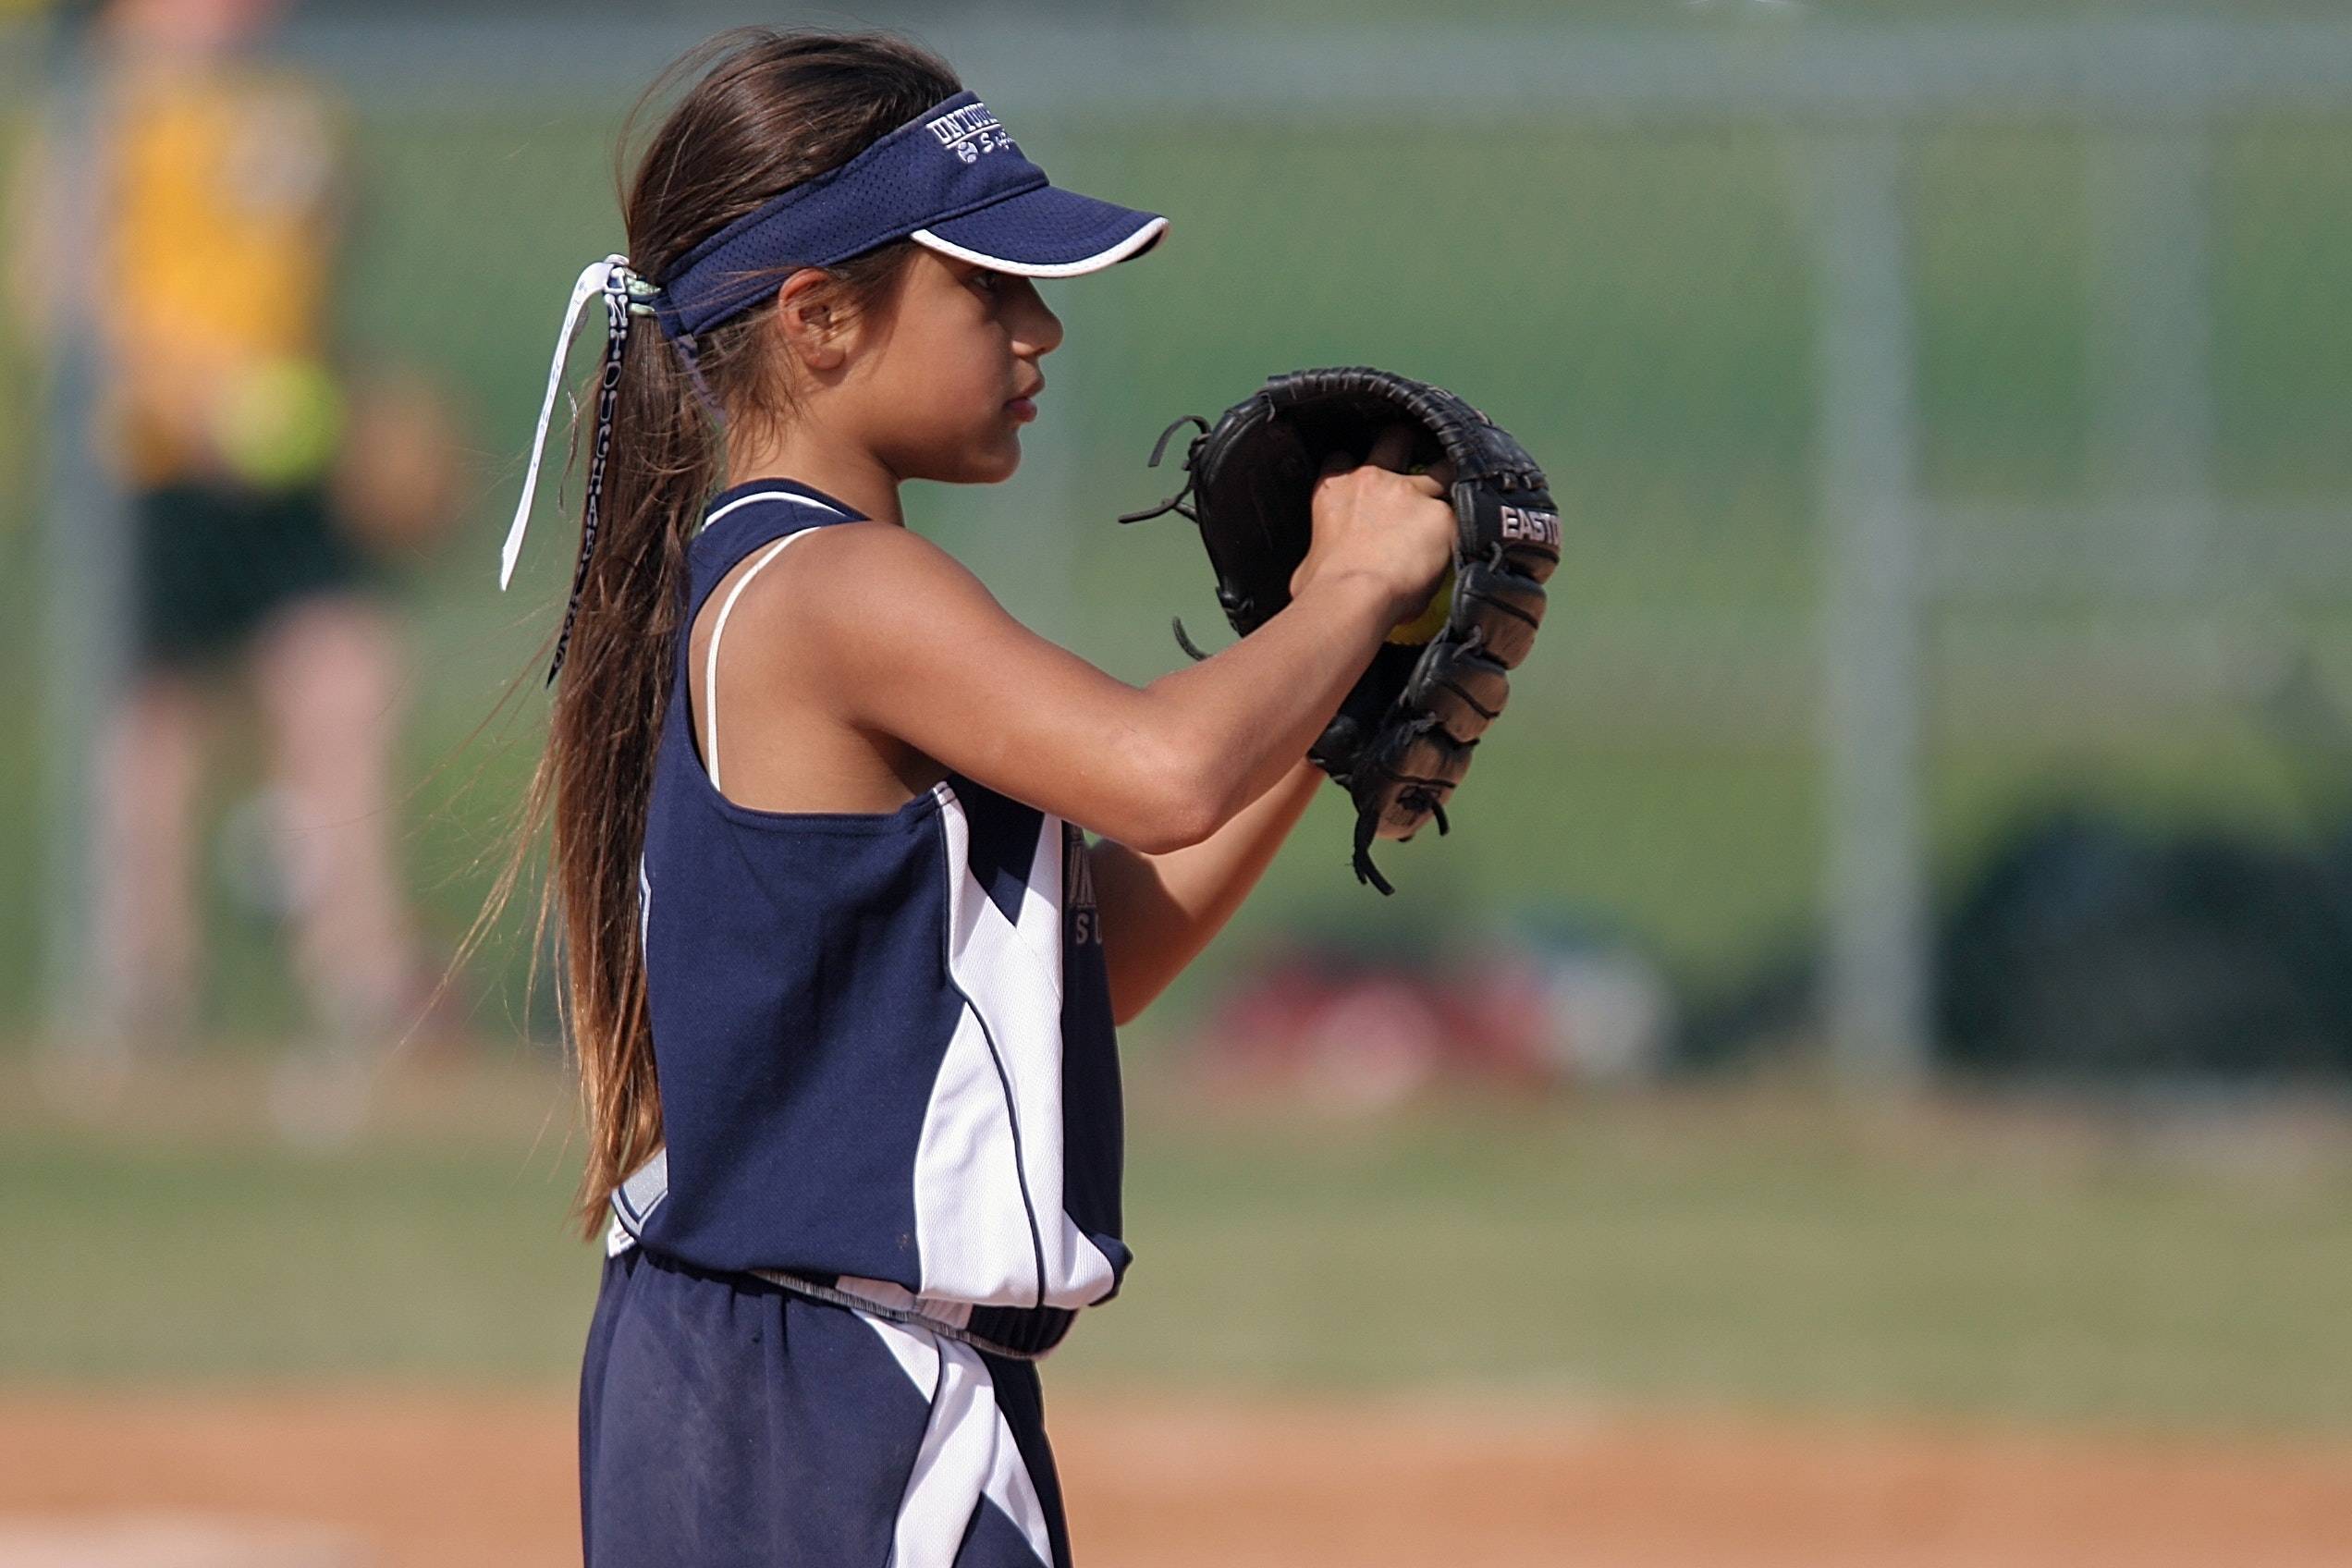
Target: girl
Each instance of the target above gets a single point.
(842, 967)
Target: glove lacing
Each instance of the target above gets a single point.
(1176, 504)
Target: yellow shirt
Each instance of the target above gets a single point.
(217, 252)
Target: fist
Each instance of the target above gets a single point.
(1378, 518)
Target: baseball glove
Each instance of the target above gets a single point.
(1403, 736)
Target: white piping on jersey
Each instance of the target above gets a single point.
(767, 495)
(644, 908)
(710, 663)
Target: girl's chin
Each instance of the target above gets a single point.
(988, 459)
(1002, 456)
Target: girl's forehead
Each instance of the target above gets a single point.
(940, 265)
(929, 269)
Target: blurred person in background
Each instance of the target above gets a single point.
(259, 521)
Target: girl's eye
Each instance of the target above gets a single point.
(987, 280)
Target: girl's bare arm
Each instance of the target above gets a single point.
(1160, 911)
(897, 637)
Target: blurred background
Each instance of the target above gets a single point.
(1863, 1079)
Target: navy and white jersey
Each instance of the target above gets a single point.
(884, 1039)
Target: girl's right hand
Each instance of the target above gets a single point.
(1396, 527)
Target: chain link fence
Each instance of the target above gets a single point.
(1949, 418)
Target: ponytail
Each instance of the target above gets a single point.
(768, 109)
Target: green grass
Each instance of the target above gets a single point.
(1764, 1251)
(1789, 1259)
(199, 1264)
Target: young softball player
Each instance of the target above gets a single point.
(842, 966)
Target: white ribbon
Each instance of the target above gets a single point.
(594, 278)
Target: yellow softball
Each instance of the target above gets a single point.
(1421, 627)
(1426, 625)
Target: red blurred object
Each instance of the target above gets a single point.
(1353, 1028)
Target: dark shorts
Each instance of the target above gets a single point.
(725, 1422)
(211, 563)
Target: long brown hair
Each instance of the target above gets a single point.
(766, 110)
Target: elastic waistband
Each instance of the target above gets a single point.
(1019, 1333)
(1023, 1333)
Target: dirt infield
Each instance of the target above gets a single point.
(361, 1477)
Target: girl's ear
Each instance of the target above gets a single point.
(815, 331)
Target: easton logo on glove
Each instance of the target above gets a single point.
(1543, 528)
(1401, 739)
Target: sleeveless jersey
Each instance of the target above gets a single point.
(884, 1040)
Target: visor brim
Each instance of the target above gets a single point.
(1047, 232)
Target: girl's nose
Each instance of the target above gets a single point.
(1041, 329)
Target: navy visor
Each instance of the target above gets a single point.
(953, 179)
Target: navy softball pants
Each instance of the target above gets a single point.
(725, 1422)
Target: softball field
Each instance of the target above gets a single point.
(1722, 1327)
(345, 1474)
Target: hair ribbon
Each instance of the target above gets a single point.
(625, 294)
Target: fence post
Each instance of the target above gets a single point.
(85, 572)
(1876, 974)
